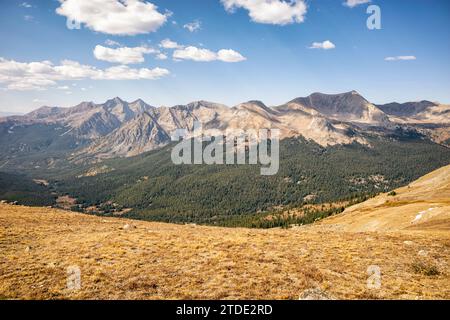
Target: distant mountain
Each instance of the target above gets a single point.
(406, 109)
(44, 113)
(8, 114)
(118, 128)
(348, 107)
(151, 130)
(428, 118)
(87, 120)
(141, 134)
(423, 112)
(49, 135)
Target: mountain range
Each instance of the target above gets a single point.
(118, 128)
(114, 158)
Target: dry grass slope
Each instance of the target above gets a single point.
(141, 260)
(424, 206)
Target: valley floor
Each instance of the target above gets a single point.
(124, 259)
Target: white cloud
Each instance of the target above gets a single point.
(72, 70)
(169, 44)
(112, 43)
(126, 73)
(63, 88)
(193, 26)
(122, 55)
(117, 17)
(40, 75)
(278, 12)
(161, 56)
(28, 18)
(199, 54)
(354, 3)
(168, 13)
(400, 58)
(326, 45)
(194, 53)
(26, 5)
(205, 55)
(228, 55)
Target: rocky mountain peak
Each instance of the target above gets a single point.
(139, 102)
(203, 104)
(118, 100)
(257, 103)
(139, 106)
(256, 106)
(349, 106)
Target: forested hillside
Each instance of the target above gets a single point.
(152, 188)
(14, 187)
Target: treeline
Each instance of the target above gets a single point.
(286, 218)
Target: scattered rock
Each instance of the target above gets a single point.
(303, 252)
(422, 253)
(315, 294)
(28, 249)
(310, 197)
(128, 226)
(408, 243)
(419, 216)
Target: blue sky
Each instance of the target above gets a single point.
(271, 58)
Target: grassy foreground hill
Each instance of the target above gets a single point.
(126, 259)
